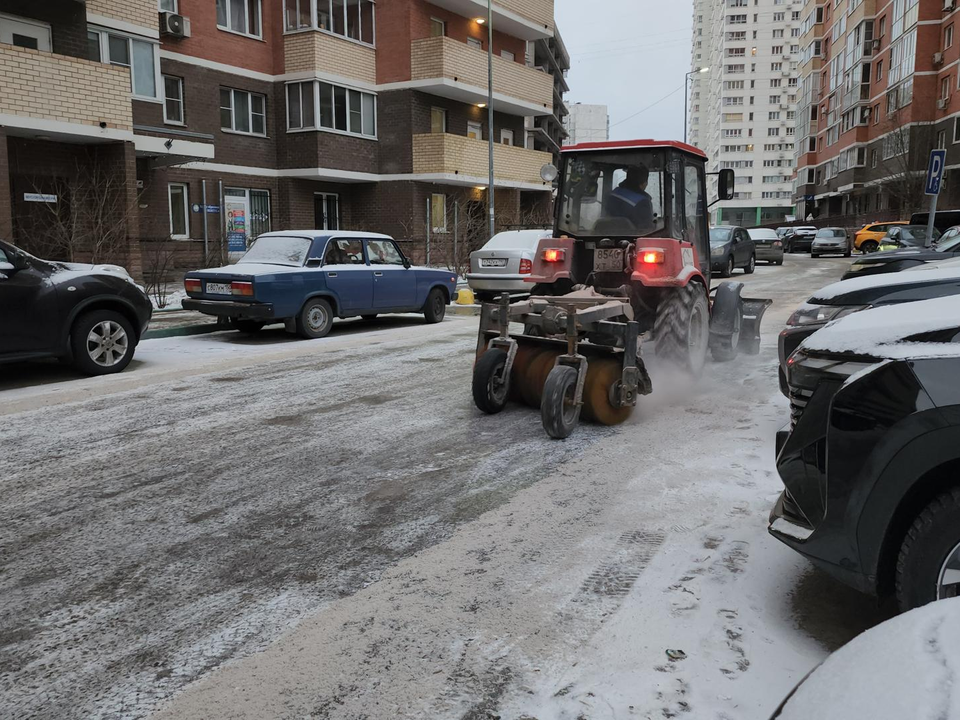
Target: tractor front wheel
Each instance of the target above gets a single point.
(682, 327)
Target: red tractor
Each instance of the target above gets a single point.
(629, 261)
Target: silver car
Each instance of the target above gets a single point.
(768, 245)
(503, 264)
(831, 241)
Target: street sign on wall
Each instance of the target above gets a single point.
(938, 161)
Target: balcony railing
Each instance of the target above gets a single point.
(444, 66)
(467, 160)
(81, 96)
(312, 50)
(142, 13)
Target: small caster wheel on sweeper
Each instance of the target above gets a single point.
(558, 407)
(491, 386)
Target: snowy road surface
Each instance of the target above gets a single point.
(266, 527)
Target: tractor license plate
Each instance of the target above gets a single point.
(219, 289)
(606, 260)
(493, 263)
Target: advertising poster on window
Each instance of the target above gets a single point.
(236, 225)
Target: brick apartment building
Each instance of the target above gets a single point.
(879, 88)
(333, 114)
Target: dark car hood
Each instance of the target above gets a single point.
(890, 288)
(909, 253)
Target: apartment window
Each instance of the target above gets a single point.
(239, 16)
(168, 6)
(956, 129)
(475, 43)
(945, 88)
(879, 73)
(243, 112)
(179, 197)
(438, 120)
(438, 28)
(313, 105)
(474, 131)
(506, 137)
(140, 56)
(942, 140)
(438, 213)
(948, 37)
(173, 100)
(353, 19)
(507, 55)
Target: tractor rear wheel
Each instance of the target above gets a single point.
(682, 327)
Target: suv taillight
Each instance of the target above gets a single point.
(526, 266)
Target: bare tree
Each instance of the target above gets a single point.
(903, 156)
(159, 261)
(90, 218)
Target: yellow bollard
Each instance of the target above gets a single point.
(465, 297)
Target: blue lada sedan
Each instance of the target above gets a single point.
(307, 278)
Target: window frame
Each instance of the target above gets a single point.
(103, 36)
(315, 23)
(185, 187)
(233, 112)
(507, 132)
(438, 229)
(176, 6)
(349, 92)
(443, 117)
(478, 126)
(227, 28)
(326, 197)
(180, 100)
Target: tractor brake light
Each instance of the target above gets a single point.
(526, 266)
(192, 286)
(244, 289)
(652, 257)
(553, 255)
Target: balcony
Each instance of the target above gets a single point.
(448, 68)
(525, 19)
(459, 160)
(142, 13)
(53, 95)
(313, 50)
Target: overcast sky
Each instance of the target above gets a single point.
(628, 54)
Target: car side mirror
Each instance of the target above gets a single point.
(406, 264)
(314, 262)
(725, 184)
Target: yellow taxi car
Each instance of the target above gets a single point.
(867, 240)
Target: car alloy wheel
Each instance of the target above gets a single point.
(948, 586)
(107, 343)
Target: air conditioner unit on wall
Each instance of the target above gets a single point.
(938, 58)
(949, 5)
(942, 103)
(174, 25)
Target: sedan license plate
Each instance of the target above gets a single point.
(493, 263)
(219, 289)
(605, 260)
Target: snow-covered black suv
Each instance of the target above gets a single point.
(93, 315)
(871, 459)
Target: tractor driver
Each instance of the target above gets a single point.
(631, 201)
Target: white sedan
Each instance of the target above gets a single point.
(504, 262)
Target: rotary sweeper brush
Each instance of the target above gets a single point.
(630, 261)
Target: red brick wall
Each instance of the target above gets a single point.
(209, 42)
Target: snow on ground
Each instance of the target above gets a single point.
(171, 300)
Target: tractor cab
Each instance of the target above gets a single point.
(613, 197)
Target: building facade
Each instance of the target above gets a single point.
(216, 120)
(588, 123)
(742, 112)
(880, 89)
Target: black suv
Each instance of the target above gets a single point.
(93, 315)
(871, 458)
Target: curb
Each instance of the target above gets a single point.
(466, 310)
(183, 331)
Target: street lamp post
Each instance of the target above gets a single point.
(490, 192)
(686, 94)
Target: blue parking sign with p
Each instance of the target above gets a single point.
(938, 161)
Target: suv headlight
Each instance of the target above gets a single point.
(718, 251)
(808, 314)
